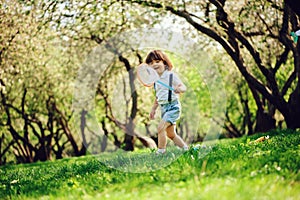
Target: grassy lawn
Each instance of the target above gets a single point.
(229, 169)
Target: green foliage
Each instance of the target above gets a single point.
(37, 69)
(196, 101)
(43, 43)
(229, 169)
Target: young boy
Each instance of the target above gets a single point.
(168, 100)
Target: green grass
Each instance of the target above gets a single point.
(229, 169)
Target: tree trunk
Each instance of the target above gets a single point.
(293, 118)
(294, 5)
(42, 154)
(264, 121)
(129, 142)
(129, 133)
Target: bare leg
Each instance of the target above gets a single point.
(162, 139)
(171, 133)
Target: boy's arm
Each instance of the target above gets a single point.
(153, 110)
(179, 86)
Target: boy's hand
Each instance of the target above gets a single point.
(177, 90)
(180, 89)
(152, 114)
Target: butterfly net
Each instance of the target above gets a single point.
(146, 75)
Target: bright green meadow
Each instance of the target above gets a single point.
(226, 169)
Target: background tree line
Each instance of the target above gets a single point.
(44, 43)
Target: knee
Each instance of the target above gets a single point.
(162, 127)
(171, 135)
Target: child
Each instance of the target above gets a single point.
(167, 100)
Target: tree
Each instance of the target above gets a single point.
(89, 25)
(256, 37)
(34, 88)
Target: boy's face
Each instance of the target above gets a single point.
(158, 66)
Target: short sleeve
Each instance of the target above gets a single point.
(176, 80)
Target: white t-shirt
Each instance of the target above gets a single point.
(162, 92)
